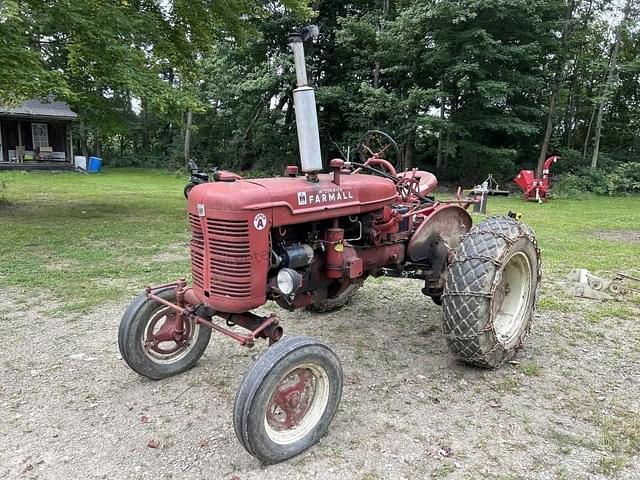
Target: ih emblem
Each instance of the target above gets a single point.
(260, 221)
(302, 198)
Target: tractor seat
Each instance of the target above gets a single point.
(428, 181)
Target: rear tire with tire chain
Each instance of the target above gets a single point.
(336, 302)
(491, 292)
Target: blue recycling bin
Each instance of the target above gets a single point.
(95, 165)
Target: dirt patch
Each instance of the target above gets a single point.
(170, 257)
(60, 266)
(568, 408)
(620, 236)
(175, 252)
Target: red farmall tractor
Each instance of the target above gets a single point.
(309, 241)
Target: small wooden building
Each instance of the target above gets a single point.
(36, 135)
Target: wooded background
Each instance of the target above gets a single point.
(466, 87)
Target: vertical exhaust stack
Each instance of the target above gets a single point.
(304, 101)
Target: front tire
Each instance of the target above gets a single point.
(144, 324)
(491, 292)
(288, 399)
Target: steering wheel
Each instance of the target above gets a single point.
(376, 143)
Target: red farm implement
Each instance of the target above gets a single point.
(309, 240)
(535, 188)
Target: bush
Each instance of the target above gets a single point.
(623, 179)
(569, 185)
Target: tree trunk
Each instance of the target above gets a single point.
(596, 136)
(548, 129)
(376, 75)
(570, 112)
(187, 139)
(557, 84)
(588, 135)
(254, 119)
(83, 137)
(445, 160)
(376, 69)
(441, 134)
(288, 119)
(606, 90)
(409, 149)
(453, 109)
(573, 103)
(146, 142)
(98, 144)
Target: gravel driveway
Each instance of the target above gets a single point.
(568, 408)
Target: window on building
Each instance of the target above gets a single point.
(40, 134)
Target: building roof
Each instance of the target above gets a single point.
(39, 109)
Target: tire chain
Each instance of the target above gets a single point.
(463, 348)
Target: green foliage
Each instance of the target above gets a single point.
(464, 86)
(623, 179)
(583, 184)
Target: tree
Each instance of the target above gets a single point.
(466, 87)
(610, 81)
(100, 55)
(560, 66)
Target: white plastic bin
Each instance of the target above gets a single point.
(80, 161)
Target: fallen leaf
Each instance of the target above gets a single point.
(153, 443)
(145, 419)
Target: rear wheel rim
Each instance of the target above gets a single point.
(512, 299)
(297, 404)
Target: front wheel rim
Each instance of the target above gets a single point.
(297, 403)
(161, 344)
(512, 299)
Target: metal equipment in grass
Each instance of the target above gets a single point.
(587, 285)
(309, 241)
(491, 186)
(623, 280)
(535, 188)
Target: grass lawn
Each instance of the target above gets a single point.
(88, 239)
(91, 238)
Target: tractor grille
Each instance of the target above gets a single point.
(229, 258)
(197, 251)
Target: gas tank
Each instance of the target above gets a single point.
(297, 200)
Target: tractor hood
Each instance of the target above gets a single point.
(290, 200)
